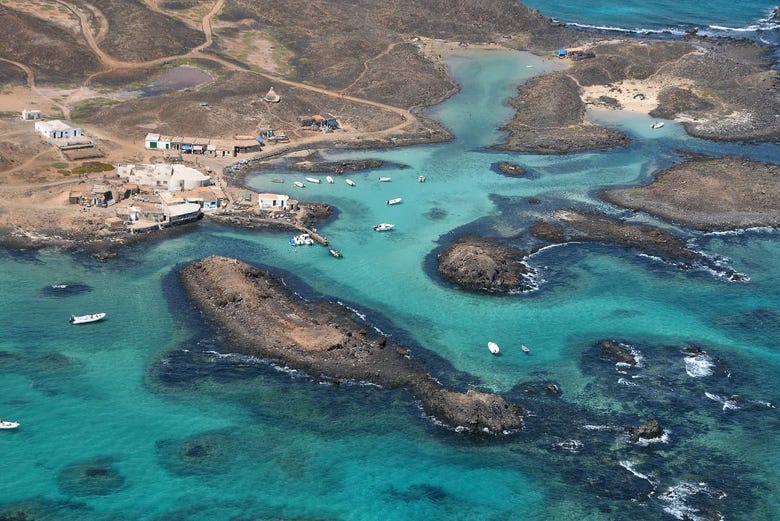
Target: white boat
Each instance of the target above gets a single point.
(350, 182)
(301, 240)
(335, 253)
(298, 184)
(313, 180)
(657, 124)
(329, 179)
(383, 227)
(525, 350)
(421, 178)
(385, 179)
(5, 424)
(394, 201)
(86, 319)
(493, 348)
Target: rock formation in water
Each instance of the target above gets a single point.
(483, 264)
(649, 430)
(259, 316)
(617, 352)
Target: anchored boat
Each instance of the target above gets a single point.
(394, 201)
(493, 348)
(86, 319)
(383, 227)
(298, 184)
(5, 424)
(313, 180)
(329, 179)
(350, 182)
(385, 179)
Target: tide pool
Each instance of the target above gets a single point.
(149, 415)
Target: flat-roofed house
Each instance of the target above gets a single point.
(157, 142)
(273, 200)
(182, 213)
(163, 177)
(57, 129)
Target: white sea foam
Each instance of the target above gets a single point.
(627, 383)
(728, 403)
(636, 30)
(631, 467)
(663, 438)
(742, 231)
(570, 445)
(676, 499)
(590, 427)
(699, 365)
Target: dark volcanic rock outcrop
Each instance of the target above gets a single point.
(649, 430)
(258, 315)
(617, 351)
(550, 119)
(710, 194)
(510, 169)
(483, 264)
(577, 226)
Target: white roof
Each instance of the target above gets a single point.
(55, 124)
(152, 137)
(273, 196)
(175, 210)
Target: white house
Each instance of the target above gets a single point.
(57, 129)
(165, 177)
(157, 142)
(29, 115)
(273, 200)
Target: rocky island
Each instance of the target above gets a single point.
(484, 264)
(259, 316)
(731, 193)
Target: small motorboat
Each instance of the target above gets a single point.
(385, 179)
(350, 182)
(329, 179)
(86, 319)
(5, 424)
(335, 253)
(493, 348)
(277, 180)
(397, 200)
(525, 350)
(421, 178)
(313, 180)
(383, 227)
(657, 124)
(298, 184)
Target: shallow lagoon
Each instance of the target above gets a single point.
(169, 425)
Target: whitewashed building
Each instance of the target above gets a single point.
(273, 200)
(57, 129)
(29, 115)
(163, 177)
(157, 142)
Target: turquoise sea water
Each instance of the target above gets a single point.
(147, 415)
(751, 19)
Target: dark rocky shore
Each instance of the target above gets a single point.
(709, 194)
(550, 119)
(484, 264)
(259, 316)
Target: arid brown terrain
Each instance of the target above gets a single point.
(371, 65)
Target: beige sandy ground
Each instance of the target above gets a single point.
(632, 95)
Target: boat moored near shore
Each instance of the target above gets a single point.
(313, 180)
(329, 179)
(298, 184)
(383, 227)
(350, 182)
(397, 200)
(493, 348)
